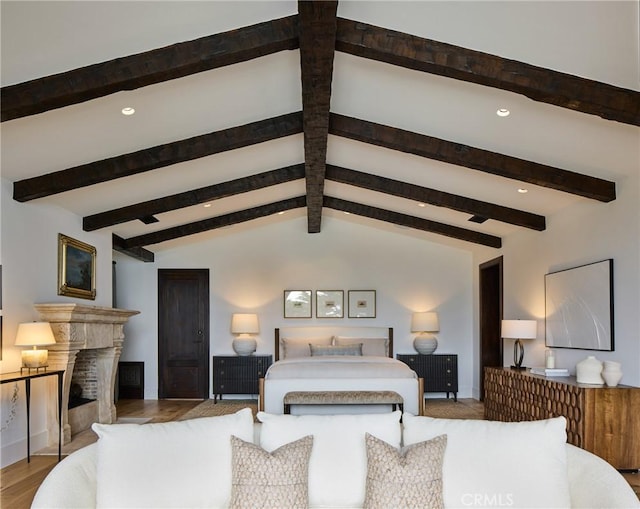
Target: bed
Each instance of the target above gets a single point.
(334, 368)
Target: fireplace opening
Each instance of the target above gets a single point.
(84, 380)
(75, 396)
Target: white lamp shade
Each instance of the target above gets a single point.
(519, 329)
(244, 323)
(34, 334)
(426, 321)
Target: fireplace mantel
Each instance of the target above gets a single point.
(79, 327)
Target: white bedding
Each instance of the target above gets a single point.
(334, 373)
(348, 366)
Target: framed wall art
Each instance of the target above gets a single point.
(329, 304)
(76, 268)
(579, 307)
(362, 303)
(297, 303)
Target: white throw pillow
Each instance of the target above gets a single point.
(293, 348)
(499, 464)
(173, 464)
(378, 347)
(338, 465)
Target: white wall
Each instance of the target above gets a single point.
(249, 271)
(585, 233)
(30, 276)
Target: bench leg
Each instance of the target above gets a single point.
(287, 409)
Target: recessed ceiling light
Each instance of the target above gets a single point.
(422, 204)
(207, 205)
(503, 112)
(522, 190)
(281, 212)
(128, 111)
(347, 213)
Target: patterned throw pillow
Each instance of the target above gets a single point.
(408, 478)
(317, 350)
(270, 480)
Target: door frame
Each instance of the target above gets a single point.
(490, 284)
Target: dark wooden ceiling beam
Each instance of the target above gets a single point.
(470, 157)
(215, 222)
(317, 22)
(193, 197)
(537, 83)
(418, 223)
(139, 253)
(157, 157)
(435, 197)
(143, 69)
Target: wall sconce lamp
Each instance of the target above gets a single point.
(425, 323)
(519, 329)
(244, 325)
(35, 334)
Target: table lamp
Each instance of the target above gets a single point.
(519, 329)
(244, 325)
(35, 334)
(425, 323)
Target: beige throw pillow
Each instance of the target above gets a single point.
(270, 480)
(404, 479)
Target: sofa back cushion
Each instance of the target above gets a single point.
(338, 464)
(488, 463)
(173, 464)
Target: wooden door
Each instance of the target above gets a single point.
(183, 333)
(491, 350)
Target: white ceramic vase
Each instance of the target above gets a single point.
(425, 344)
(612, 373)
(588, 371)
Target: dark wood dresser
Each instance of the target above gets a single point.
(234, 374)
(439, 371)
(603, 420)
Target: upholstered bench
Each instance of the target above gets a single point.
(342, 398)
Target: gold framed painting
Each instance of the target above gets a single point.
(76, 268)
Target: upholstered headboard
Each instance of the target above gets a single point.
(342, 332)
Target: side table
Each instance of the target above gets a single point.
(17, 376)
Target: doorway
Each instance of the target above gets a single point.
(183, 333)
(491, 349)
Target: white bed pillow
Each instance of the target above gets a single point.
(338, 465)
(378, 347)
(299, 347)
(173, 464)
(506, 464)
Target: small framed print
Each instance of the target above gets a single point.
(362, 303)
(297, 303)
(329, 304)
(76, 268)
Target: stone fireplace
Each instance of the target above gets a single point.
(92, 337)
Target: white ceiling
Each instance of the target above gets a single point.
(597, 40)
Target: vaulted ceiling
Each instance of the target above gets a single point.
(309, 111)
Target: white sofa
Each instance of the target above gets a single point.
(188, 463)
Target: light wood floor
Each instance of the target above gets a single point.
(19, 482)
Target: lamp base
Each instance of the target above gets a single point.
(518, 368)
(244, 346)
(425, 344)
(35, 358)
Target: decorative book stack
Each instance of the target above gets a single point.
(550, 371)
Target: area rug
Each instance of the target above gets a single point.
(222, 407)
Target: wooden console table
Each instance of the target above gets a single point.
(603, 420)
(17, 376)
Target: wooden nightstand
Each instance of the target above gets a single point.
(439, 371)
(234, 374)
